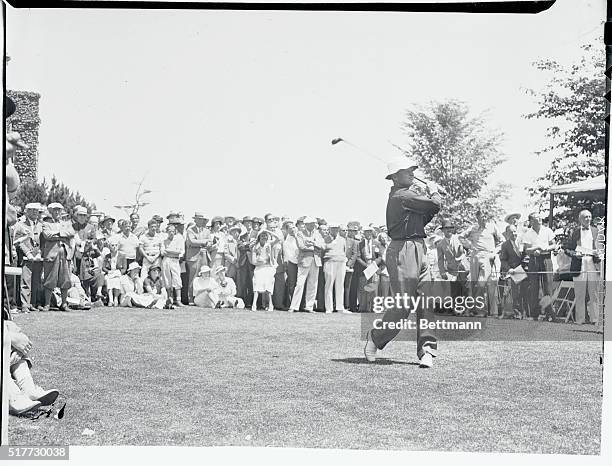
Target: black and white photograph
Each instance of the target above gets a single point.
(340, 229)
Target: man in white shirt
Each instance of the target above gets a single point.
(290, 257)
(485, 240)
(585, 247)
(334, 269)
(539, 242)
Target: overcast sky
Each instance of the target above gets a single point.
(233, 112)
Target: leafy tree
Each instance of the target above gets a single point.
(457, 151)
(572, 102)
(33, 191)
(30, 191)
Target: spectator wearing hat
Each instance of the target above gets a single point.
(106, 227)
(334, 266)
(217, 249)
(56, 237)
(323, 229)
(131, 288)
(485, 240)
(539, 242)
(150, 248)
(81, 228)
(173, 247)
(198, 240)
(513, 219)
(229, 221)
(512, 256)
(247, 223)
(351, 286)
(452, 260)
(310, 244)
(226, 290)
(246, 268)
(27, 240)
(113, 266)
(280, 280)
(153, 286)
(256, 223)
(127, 241)
(585, 247)
(159, 220)
(265, 267)
(369, 252)
(299, 223)
(290, 258)
(232, 255)
(206, 289)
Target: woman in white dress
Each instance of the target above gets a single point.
(113, 266)
(265, 268)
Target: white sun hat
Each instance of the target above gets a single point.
(399, 163)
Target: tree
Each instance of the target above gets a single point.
(458, 152)
(572, 101)
(139, 200)
(33, 191)
(30, 191)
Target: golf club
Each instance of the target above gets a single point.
(337, 140)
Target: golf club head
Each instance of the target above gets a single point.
(336, 141)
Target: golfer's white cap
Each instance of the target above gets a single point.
(310, 220)
(400, 163)
(55, 205)
(33, 206)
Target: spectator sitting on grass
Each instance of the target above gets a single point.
(154, 287)
(205, 289)
(227, 290)
(131, 288)
(77, 297)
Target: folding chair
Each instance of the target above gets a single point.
(564, 301)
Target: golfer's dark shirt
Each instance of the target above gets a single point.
(408, 213)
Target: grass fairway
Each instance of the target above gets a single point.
(227, 377)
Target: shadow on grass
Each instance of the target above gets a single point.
(381, 361)
(588, 331)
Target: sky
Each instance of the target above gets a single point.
(230, 112)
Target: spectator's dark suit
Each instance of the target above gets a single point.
(366, 298)
(511, 257)
(351, 286)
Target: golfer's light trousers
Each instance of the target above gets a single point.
(408, 273)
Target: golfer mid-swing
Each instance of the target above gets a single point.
(406, 259)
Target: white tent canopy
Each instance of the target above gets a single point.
(597, 183)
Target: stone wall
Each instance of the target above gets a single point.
(26, 121)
